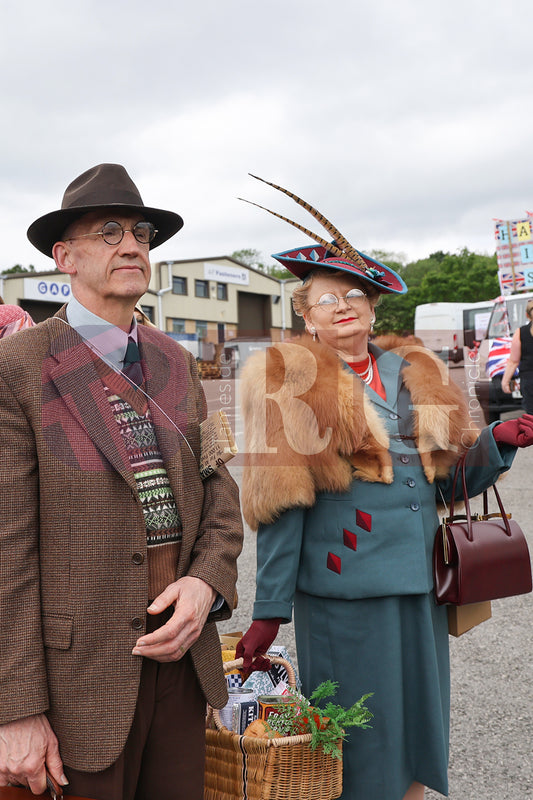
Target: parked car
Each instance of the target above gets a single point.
(236, 351)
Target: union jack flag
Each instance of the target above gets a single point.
(498, 354)
(505, 277)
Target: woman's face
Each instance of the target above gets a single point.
(345, 323)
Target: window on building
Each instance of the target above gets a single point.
(178, 325)
(201, 329)
(149, 311)
(222, 291)
(201, 288)
(179, 285)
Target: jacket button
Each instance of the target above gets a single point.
(392, 415)
(137, 558)
(411, 483)
(404, 459)
(415, 506)
(137, 624)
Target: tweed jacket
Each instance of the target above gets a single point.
(73, 566)
(345, 497)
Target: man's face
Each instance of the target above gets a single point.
(103, 274)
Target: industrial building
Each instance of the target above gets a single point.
(201, 302)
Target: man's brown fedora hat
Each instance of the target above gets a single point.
(103, 186)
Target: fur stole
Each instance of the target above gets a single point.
(310, 427)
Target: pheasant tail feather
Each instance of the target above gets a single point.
(330, 247)
(342, 242)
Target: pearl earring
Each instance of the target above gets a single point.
(313, 331)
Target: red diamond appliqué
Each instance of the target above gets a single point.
(350, 539)
(334, 563)
(363, 520)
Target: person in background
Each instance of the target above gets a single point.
(521, 356)
(115, 557)
(13, 319)
(142, 318)
(346, 461)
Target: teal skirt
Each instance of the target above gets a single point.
(397, 648)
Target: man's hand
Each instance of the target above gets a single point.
(192, 599)
(27, 747)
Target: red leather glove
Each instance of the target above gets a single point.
(518, 432)
(255, 643)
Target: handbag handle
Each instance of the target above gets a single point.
(460, 467)
(55, 790)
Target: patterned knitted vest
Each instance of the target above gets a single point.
(161, 515)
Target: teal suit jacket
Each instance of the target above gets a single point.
(375, 539)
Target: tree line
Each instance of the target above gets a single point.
(462, 277)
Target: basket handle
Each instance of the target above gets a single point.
(238, 662)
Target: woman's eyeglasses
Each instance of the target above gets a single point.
(112, 233)
(329, 301)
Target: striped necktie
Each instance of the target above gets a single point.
(132, 362)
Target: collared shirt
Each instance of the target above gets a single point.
(104, 338)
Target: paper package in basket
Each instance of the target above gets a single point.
(234, 676)
(266, 682)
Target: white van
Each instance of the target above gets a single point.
(447, 327)
(509, 313)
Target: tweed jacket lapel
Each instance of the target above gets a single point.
(76, 379)
(166, 388)
(72, 371)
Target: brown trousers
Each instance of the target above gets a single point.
(164, 755)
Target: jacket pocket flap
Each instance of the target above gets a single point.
(57, 631)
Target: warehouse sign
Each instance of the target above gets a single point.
(49, 291)
(216, 272)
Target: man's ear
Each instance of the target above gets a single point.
(62, 256)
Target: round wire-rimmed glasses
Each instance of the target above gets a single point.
(329, 301)
(112, 232)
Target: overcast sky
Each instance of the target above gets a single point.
(408, 123)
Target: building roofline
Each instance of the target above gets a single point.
(36, 274)
(44, 273)
(220, 258)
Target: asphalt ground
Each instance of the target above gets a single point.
(491, 742)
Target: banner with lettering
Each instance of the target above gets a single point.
(514, 252)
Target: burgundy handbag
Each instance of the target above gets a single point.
(479, 557)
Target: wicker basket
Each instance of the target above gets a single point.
(285, 768)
